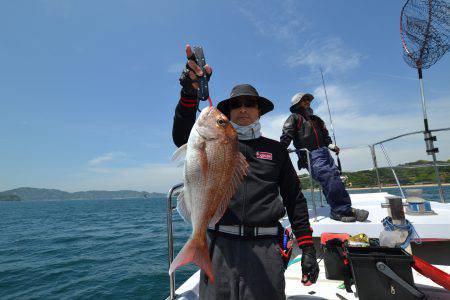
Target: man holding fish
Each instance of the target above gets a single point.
(233, 178)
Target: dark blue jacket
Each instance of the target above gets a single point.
(309, 133)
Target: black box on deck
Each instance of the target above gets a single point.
(373, 284)
(335, 269)
(333, 255)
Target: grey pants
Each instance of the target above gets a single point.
(244, 269)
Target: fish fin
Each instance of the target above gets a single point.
(194, 252)
(183, 209)
(220, 211)
(242, 165)
(240, 171)
(180, 154)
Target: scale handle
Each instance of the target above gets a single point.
(203, 90)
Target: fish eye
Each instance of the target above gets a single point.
(221, 122)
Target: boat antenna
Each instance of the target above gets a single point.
(331, 121)
(425, 32)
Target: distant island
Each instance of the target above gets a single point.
(9, 197)
(27, 193)
(420, 172)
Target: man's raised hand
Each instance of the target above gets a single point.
(189, 76)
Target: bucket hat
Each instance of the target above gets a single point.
(245, 90)
(299, 97)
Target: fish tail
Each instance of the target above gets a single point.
(197, 253)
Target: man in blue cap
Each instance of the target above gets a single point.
(308, 131)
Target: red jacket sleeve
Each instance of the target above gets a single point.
(184, 119)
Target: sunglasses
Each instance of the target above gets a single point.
(243, 102)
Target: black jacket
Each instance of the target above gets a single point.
(309, 133)
(256, 201)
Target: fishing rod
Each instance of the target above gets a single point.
(331, 122)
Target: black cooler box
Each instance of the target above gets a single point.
(382, 273)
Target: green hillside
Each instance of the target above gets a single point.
(9, 197)
(418, 172)
(27, 193)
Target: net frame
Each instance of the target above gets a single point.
(424, 31)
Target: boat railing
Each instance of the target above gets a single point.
(311, 180)
(429, 149)
(170, 209)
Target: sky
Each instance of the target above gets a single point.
(88, 88)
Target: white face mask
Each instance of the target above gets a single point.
(249, 132)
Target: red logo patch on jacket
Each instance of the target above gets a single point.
(264, 155)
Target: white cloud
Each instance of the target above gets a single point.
(271, 125)
(394, 76)
(288, 24)
(280, 22)
(285, 23)
(329, 54)
(107, 157)
(148, 177)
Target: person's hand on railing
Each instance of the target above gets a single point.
(334, 148)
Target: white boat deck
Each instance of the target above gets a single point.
(323, 289)
(329, 289)
(428, 227)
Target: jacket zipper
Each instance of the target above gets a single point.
(299, 122)
(315, 133)
(245, 189)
